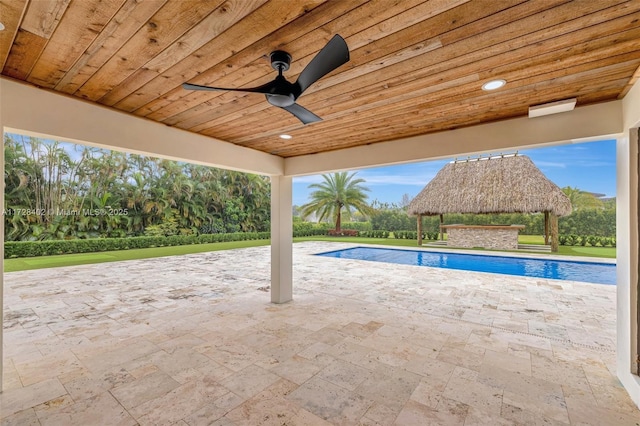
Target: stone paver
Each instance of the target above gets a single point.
(193, 340)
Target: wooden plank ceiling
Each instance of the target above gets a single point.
(416, 66)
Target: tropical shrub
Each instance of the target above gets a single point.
(593, 240)
(375, 234)
(405, 235)
(309, 229)
(583, 240)
(393, 220)
(432, 236)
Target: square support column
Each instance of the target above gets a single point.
(627, 263)
(2, 266)
(281, 239)
(628, 246)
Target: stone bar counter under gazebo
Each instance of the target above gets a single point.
(499, 237)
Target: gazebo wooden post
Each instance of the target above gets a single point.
(553, 226)
(546, 228)
(441, 230)
(419, 229)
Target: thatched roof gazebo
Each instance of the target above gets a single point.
(502, 184)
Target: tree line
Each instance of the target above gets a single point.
(55, 190)
(599, 222)
(342, 194)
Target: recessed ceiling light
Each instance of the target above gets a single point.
(1, 26)
(493, 84)
(552, 108)
(285, 136)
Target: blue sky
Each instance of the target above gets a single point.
(589, 166)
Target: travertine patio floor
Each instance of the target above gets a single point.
(193, 340)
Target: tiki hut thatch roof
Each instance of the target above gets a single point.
(509, 184)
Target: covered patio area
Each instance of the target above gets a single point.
(193, 340)
(417, 87)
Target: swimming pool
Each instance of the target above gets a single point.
(591, 272)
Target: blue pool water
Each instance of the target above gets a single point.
(600, 273)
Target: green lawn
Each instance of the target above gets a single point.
(26, 263)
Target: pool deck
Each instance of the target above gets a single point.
(193, 340)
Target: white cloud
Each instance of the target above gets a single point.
(417, 179)
(550, 164)
(420, 180)
(308, 179)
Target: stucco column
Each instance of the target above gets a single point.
(627, 263)
(1, 259)
(281, 239)
(628, 247)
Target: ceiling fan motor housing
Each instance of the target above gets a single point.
(281, 100)
(280, 60)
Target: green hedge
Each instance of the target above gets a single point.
(14, 249)
(374, 234)
(413, 235)
(309, 229)
(358, 226)
(584, 240)
(405, 235)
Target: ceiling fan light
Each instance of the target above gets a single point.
(284, 136)
(493, 84)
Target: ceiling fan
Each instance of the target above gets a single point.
(282, 93)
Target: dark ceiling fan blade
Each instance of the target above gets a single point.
(265, 88)
(302, 113)
(334, 54)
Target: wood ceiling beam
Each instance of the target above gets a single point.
(64, 48)
(43, 17)
(632, 81)
(221, 19)
(26, 50)
(129, 19)
(163, 29)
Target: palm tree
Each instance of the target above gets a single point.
(582, 200)
(338, 191)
